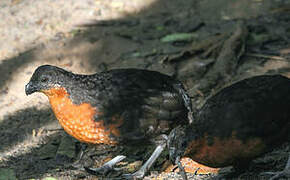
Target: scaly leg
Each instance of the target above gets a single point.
(187, 101)
(142, 171)
(107, 167)
(281, 174)
(181, 169)
(77, 163)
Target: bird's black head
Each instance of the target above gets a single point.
(46, 77)
(177, 143)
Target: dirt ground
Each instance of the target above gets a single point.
(206, 44)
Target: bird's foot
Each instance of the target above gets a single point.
(107, 167)
(77, 164)
(104, 170)
(136, 175)
(142, 171)
(278, 175)
(181, 168)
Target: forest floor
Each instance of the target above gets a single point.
(205, 44)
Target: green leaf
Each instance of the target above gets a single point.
(179, 37)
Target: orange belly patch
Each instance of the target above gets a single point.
(223, 152)
(78, 120)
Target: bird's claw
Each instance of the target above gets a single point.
(107, 167)
(136, 175)
(77, 165)
(277, 175)
(104, 170)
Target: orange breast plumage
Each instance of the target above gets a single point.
(78, 120)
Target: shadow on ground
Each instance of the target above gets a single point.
(131, 41)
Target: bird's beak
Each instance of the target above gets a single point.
(30, 88)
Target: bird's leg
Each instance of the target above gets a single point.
(142, 171)
(187, 101)
(76, 164)
(181, 169)
(107, 167)
(83, 151)
(281, 174)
